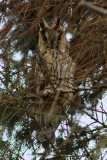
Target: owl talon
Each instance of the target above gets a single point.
(64, 90)
(46, 92)
(60, 90)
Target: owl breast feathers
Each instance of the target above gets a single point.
(56, 73)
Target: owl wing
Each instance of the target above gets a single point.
(58, 67)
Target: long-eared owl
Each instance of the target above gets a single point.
(56, 74)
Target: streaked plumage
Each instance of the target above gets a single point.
(56, 83)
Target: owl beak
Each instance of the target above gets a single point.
(52, 46)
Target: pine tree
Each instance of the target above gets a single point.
(88, 48)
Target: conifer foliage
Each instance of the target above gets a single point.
(83, 132)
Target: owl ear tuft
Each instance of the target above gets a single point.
(43, 24)
(58, 22)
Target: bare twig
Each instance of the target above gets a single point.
(94, 8)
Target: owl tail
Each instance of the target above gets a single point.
(46, 140)
(46, 146)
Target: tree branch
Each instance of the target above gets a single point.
(94, 8)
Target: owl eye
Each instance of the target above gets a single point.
(44, 38)
(42, 25)
(59, 38)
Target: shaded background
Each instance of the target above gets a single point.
(88, 48)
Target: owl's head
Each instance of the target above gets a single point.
(52, 37)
